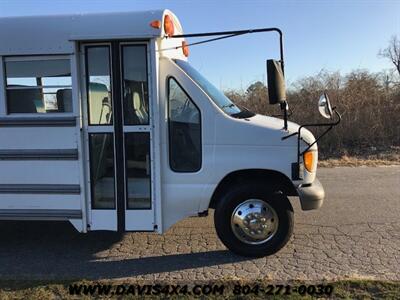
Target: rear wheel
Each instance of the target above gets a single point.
(253, 221)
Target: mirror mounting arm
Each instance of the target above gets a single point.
(316, 140)
(219, 35)
(233, 33)
(333, 124)
(284, 107)
(330, 126)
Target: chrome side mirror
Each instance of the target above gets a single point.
(324, 106)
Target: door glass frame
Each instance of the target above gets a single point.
(110, 69)
(146, 46)
(144, 128)
(99, 128)
(132, 219)
(127, 208)
(97, 219)
(170, 79)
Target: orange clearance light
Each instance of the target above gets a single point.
(185, 48)
(308, 158)
(156, 24)
(168, 25)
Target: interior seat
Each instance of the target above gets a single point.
(139, 108)
(64, 100)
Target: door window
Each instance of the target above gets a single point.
(137, 160)
(99, 85)
(184, 130)
(134, 82)
(101, 147)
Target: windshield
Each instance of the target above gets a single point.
(215, 94)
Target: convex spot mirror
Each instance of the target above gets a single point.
(324, 106)
(276, 82)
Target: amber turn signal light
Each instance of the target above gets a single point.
(308, 159)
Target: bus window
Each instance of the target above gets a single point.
(38, 85)
(184, 130)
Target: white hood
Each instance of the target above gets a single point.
(260, 130)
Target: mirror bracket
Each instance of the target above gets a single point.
(284, 107)
(296, 166)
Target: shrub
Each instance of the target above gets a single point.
(370, 109)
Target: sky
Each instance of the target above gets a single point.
(318, 35)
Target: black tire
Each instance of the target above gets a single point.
(238, 194)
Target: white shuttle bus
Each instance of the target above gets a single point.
(105, 124)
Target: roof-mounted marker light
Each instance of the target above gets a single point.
(185, 48)
(156, 24)
(168, 25)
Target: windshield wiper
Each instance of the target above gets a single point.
(228, 105)
(245, 113)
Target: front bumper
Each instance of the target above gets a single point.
(311, 196)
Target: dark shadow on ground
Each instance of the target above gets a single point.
(54, 251)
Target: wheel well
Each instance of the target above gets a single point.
(274, 179)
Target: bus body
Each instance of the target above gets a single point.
(104, 123)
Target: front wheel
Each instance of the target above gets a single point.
(253, 221)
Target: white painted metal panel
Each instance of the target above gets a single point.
(183, 192)
(75, 71)
(54, 34)
(27, 133)
(156, 152)
(84, 135)
(39, 201)
(104, 219)
(139, 220)
(39, 172)
(79, 224)
(38, 138)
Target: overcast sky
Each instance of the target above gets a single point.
(332, 35)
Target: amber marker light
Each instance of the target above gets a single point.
(185, 48)
(168, 25)
(156, 24)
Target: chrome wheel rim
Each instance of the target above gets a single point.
(254, 222)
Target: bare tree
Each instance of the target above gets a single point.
(392, 52)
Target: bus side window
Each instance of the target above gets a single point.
(38, 85)
(184, 122)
